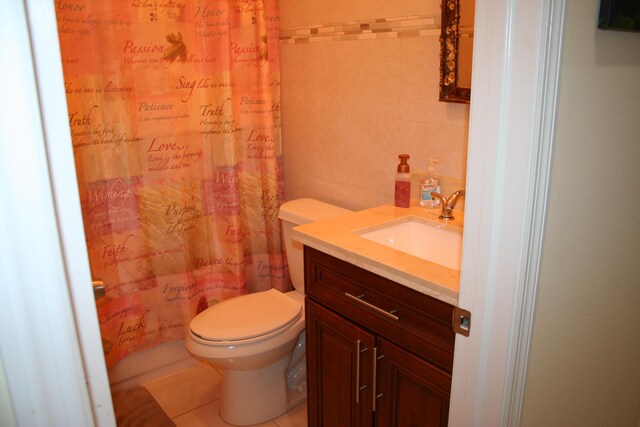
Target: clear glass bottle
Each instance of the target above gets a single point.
(428, 185)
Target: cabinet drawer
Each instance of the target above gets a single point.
(415, 321)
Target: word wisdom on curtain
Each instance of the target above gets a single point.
(174, 111)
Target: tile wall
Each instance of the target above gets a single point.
(360, 86)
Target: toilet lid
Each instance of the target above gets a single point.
(246, 317)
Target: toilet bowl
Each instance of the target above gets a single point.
(258, 339)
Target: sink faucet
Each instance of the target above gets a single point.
(448, 204)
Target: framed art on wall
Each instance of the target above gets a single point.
(621, 15)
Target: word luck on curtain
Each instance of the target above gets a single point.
(175, 122)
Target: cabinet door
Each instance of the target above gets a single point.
(339, 370)
(411, 391)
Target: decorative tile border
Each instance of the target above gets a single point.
(408, 26)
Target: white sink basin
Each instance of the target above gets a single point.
(412, 235)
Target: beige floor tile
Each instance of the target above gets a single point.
(186, 389)
(208, 416)
(203, 416)
(296, 417)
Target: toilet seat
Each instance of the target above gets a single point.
(247, 317)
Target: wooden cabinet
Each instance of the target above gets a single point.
(413, 392)
(340, 393)
(378, 353)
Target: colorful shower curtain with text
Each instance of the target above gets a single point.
(174, 114)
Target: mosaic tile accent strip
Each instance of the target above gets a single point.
(408, 26)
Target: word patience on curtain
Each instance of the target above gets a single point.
(175, 123)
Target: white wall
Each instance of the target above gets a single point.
(583, 367)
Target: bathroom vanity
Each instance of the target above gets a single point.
(380, 339)
(374, 348)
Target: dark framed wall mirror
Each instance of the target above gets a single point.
(456, 50)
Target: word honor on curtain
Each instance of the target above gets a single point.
(174, 111)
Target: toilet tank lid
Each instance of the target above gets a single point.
(303, 211)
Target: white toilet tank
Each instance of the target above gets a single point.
(297, 212)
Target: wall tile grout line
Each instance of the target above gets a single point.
(408, 26)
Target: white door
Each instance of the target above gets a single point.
(49, 338)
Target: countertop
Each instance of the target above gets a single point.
(336, 237)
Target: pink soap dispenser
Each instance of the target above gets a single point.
(403, 183)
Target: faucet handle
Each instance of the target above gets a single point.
(448, 203)
(454, 197)
(438, 196)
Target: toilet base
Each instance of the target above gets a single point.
(253, 397)
(296, 396)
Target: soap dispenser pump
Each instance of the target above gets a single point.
(403, 182)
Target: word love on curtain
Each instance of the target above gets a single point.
(174, 115)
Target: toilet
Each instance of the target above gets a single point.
(258, 339)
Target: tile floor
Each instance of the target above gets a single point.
(191, 398)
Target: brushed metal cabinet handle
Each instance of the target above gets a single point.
(375, 375)
(389, 314)
(358, 371)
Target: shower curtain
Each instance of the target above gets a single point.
(174, 114)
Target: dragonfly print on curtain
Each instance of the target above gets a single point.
(174, 115)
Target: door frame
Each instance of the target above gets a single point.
(516, 57)
(516, 69)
